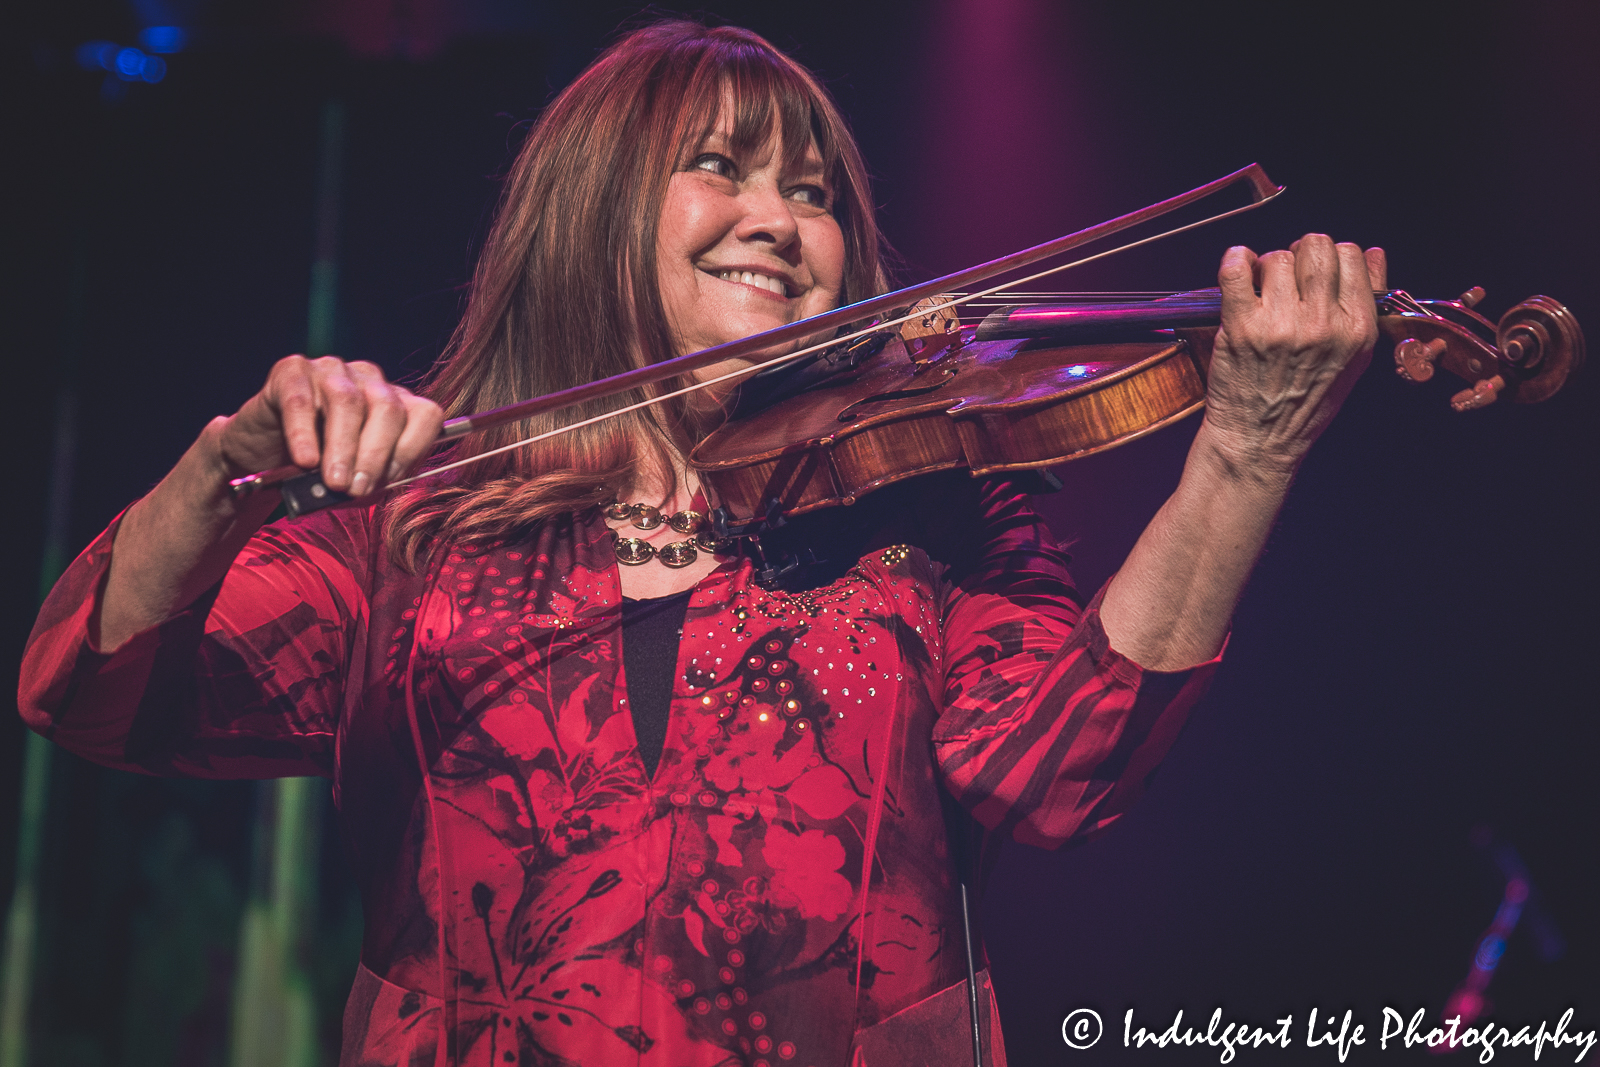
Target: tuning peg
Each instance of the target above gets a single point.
(1481, 395)
(1471, 297)
(1414, 359)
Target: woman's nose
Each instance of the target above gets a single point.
(766, 217)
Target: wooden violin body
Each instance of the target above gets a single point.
(1020, 391)
(984, 406)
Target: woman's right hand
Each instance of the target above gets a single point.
(362, 430)
(180, 539)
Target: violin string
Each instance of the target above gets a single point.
(755, 368)
(1119, 294)
(1032, 298)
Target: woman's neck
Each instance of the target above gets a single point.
(671, 493)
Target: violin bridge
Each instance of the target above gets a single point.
(934, 329)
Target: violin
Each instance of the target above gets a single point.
(1036, 386)
(900, 387)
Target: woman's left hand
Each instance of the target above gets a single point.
(1283, 363)
(1285, 360)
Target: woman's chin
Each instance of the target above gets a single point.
(746, 328)
(719, 370)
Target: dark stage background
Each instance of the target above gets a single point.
(1408, 665)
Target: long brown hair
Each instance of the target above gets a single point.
(565, 291)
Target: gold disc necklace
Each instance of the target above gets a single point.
(632, 551)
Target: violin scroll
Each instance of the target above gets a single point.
(1527, 356)
(1540, 338)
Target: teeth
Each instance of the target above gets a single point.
(760, 281)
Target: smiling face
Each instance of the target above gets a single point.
(746, 243)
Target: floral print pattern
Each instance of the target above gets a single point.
(783, 883)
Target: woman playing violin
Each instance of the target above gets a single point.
(604, 809)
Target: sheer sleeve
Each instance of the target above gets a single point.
(247, 682)
(1047, 733)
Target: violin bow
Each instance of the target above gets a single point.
(1261, 190)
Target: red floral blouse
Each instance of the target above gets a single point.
(783, 889)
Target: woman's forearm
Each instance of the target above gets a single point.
(1171, 604)
(176, 543)
(1297, 331)
(344, 418)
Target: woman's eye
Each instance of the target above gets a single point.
(713, 163)
(811, 195)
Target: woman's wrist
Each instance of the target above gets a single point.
(207, 470)
(1243, 460)
(177, 541)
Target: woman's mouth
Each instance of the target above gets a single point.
(766, 282)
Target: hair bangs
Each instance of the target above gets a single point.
(767, 92)
(565, 290)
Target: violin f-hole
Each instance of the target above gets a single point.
(939, 377)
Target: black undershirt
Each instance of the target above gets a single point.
(934, 512)
(651, 630)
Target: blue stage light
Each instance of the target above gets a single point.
(97, 55)
(125, 64)
(129, 63)
(164, 39)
